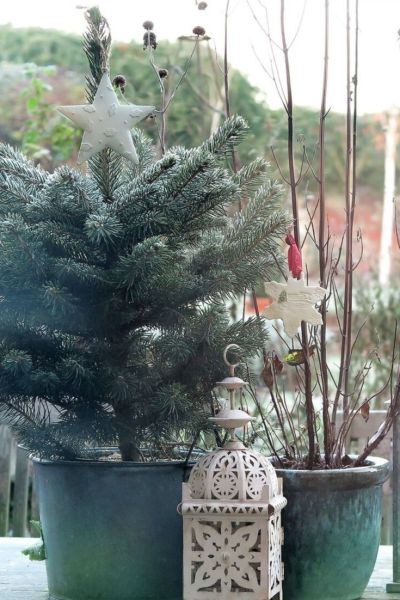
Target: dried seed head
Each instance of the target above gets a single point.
(163, 73)
(202, 5)
(149, 40)
(199, 30)
(119, 82)
(148, 25)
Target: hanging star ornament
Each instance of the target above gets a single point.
(106, 122)
(294, 302)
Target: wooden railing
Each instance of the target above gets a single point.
(359, 433)
(17, 498)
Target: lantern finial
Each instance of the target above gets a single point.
(231, 418)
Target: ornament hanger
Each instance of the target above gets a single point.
(295, 262)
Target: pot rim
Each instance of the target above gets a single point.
(104, 451)
(374, 464)
(327, 481)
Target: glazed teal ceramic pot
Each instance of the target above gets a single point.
(332, 526)
(111, 529)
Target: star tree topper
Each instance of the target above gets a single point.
(293, 302)
(106, 122)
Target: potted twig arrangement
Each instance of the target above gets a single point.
(113, 287)
(333, 517)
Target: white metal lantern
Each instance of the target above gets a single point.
(231, 510)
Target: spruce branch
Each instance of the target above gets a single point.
(106, 166)
(97, 47)
(250, 176)
(226, 136)
(15, 164)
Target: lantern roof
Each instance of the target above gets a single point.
(233, 475)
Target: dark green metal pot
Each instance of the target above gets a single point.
(332, 528)
(111, 530)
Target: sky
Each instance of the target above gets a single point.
(379, 48)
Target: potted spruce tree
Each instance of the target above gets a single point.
(333, 516)
(113, 290)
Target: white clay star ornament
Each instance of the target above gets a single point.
(294, 302)
(106, 122)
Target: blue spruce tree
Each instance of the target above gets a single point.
(114, 287)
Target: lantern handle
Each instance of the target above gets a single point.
(231, 366)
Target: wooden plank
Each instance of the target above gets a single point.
(396, 501)
(21, 489)
(358, 436)
(6, 447)
(381, 576)
(34, 500)
(387, 518)
(360, 428)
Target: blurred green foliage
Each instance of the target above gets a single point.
(44, 137)
(190, 118)
(40, 46)
(377, 309)
(195, 111)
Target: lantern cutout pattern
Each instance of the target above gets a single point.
(231, 508)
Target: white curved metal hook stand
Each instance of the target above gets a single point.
(232, 366)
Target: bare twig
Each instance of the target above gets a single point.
(183, 75)
(290, 138)
(321, 248)
(167, 98)
(226, 84)
(278, 166)
(343, 383)
(299, 24)
(310, 414)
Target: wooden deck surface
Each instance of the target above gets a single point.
(21, 579)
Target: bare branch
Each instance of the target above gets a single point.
(278, 166)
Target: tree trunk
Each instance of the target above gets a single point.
(126, 437)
